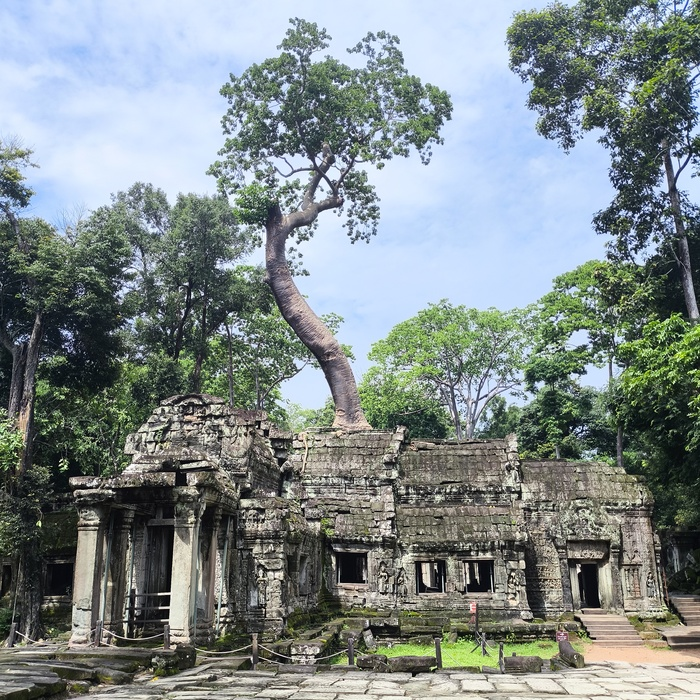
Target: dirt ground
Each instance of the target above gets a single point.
(641, 655)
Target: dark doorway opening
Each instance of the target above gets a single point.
(59, 579)
(159, 561)
(588, 586)
(478, 576)
(352, 567)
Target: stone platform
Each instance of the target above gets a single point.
(608, 681)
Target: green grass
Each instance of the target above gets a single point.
(460, 653)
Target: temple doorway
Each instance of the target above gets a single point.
(588, 585)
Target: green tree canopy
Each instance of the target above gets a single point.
(461, 357)
(661, 389)
(628, 71)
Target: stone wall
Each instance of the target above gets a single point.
(588, 519)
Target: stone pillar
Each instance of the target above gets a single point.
(618, 595)
(89, 560)
(213, 558)
(567, 595)
(184, 572)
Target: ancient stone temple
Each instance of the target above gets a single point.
(223, 522)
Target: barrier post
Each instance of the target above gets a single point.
(351, 650)
(255, 650)
(438, 652)
(131, 614)
(166, 636)
(13, 634)
(98, 633)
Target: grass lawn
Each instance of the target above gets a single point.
(460, 653)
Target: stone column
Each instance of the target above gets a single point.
(618, 594)
(184, 572)
(567, 595)
(89, 559)
(211, 574)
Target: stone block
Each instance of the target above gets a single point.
(411, 664)
(372, 662)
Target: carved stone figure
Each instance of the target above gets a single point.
(515, 583)
(261, 580)
(651, 585)
(401, 588)
(383, 578)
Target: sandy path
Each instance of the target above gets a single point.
(640, 655)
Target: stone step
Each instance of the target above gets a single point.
(688, 607)
(681, 637)
(595, 630)
(610, 630)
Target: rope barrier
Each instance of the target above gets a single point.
(282, 656)
(330, 656)
(449, 656)
(32, 641)
(134, 639)
(232, 651)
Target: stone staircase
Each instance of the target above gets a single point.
(609, 630)
(688, 607)
(688, 636)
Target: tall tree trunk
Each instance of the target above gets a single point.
(229, 369)
(683, 256)
(180, 331)
(30, 593)
(25, 416)
(619, 446)
(25, 361)
(19, 362)
(620, 435)
(201, 350)
(310, 329)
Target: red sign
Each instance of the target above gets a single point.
(472, 607)
(562, 636)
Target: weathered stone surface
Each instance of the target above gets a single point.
(372, 662)
(411, 664)
(570, 656)
(522, 664)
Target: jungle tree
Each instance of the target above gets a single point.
(303, 136)
(462, 358)
(629, 71)
(58, 301)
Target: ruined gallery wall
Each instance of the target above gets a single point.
(420, 525)
(458, 503)
(345, 489)
(583, 513)
(248, 524)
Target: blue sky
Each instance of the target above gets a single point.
(117, 91)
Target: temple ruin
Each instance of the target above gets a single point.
(224, 522)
